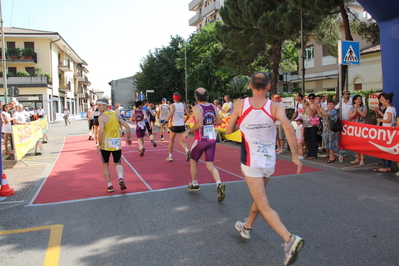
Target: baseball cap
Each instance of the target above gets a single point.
(164, 100)
(102, 101)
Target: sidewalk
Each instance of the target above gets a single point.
(27, 176)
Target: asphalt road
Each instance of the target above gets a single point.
(345, 217)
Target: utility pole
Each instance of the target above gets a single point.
(303, 56)
(3, 54)
(185, 68)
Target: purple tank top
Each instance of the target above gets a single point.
(208, 120)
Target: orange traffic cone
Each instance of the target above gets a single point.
(5, 190)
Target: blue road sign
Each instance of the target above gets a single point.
(350, 53)
(142, 97)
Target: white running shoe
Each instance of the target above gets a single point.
(292, 249)
(245, 232)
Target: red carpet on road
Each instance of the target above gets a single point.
(77, 174)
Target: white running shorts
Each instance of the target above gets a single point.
(256, 171)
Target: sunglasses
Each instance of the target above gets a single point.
(277, 98)
(311, 98)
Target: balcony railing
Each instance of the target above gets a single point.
(213, 6)
(26, 81)
(195, 20)
(22, 59)
(65, 85)
(79, 75)
(65, 66)
(193, 4)
(86, 81)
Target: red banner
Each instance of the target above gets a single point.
(376, 141)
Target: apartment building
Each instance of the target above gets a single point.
(123, 91)
(207, 11)
(54, 76)
(322, 69)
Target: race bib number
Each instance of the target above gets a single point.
(141, 124)
(180, 114)
(114, 143)
(263, 152)
(209, 132)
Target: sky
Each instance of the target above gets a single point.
(112, 36)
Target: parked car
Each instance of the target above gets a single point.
(128, 114)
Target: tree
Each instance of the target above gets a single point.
(332, 8)
(254, 32)
(159, 72)
(201, 71)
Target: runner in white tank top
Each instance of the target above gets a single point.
(258, 136)
(256, 117)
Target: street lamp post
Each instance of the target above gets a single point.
(185, 68)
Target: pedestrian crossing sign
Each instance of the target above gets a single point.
(349, 53)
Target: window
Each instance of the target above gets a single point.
(10, 45)
(30, 45)
(325, 50)
(30, 70)
(13, 70)
(309, 52)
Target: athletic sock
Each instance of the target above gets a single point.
(218, 182)
(170, 155)
(195, 183)
(119, 171)
(109, 184)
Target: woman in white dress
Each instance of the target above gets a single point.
(6, 129)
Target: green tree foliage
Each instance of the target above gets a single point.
(159, 72)
(201, 72)
(254, 32)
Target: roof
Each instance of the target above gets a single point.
(55, 37)
(370, 50)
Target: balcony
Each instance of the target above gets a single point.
(193, 5)
(194, 21)
(79, 75)
(26, 81)
(85, 81)
(212, 7)
(65, 85)
(65, 66)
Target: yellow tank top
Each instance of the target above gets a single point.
(111, 137)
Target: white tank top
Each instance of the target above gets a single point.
(178, 116)
(258, 136)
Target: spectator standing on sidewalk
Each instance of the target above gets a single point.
(330, 138)
(357, 113)
(300, 137)
(227, 107)
(388, 120)
(311, 124)
(279, 129)
(205, 119)
(66, 116)
(19, 117)
(6, 127)
(258, 159)
(110, 142)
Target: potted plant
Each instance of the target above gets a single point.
(28, 53)
(14, 53)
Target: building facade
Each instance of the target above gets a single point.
(123, 91)
(53, 77)
(206, 11)
(321, 68)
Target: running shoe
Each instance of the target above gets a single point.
(397, 174)
(245, 232)
(110, 189)
(161, 139)
(221, 192)
(122, 184)
(192, 187)
(188, 156)
(142, 152)
(301, 157)
(89, 137)
(280, 151)
(153, 143)
(292, 249)
(169, 159)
